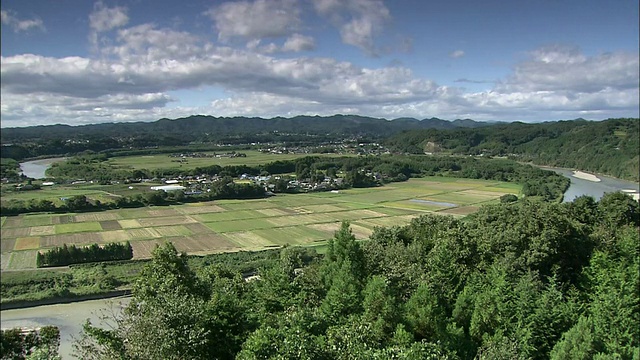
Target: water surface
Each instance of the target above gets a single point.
(36, 168)
(67, 317)
(581, 187)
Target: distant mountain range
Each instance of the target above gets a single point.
(210, 128)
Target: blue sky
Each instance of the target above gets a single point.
(79, 62)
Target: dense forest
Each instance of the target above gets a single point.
(608, 147)
(525, 280)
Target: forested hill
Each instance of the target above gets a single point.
(210, 128)
(609, 147)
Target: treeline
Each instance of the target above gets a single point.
(525, 280)
(70, 254)
(9, 169)
(608, 147)
(16, 344)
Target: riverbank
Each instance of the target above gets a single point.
(63, 300)
(69, 318)
(585, 176)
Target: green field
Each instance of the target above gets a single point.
(163, 161)
(233, 225)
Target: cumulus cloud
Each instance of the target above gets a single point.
(145, 63)
(10, 19)
(294, 43)
(297, 42)
(104, 19)
(456, 54)
(557, 68)
(359, 21)
(257, 19)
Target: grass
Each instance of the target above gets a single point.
(235, 225)
(163, 161)
(78, 227)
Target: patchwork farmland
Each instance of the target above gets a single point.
(234, 225)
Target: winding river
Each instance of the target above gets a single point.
(581, 187)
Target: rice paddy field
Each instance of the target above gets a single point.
(234, 225)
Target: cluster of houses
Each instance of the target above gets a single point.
(198, 184)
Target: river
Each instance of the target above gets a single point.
(36, 168)
(580, 187)
(67, 317)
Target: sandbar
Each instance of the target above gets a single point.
(586, 176)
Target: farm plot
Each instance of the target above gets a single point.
(128, 224)
(4, 260)
(143, 233)
(22, 260)
(293, 235)
(97, 216)
(228, 216)
(168, 231)
(164, 221)
(329, 229)
(78, 227)
(232, 225)
(63, 219)
(115, 236)
(77, 239)
(7, 245)
(248, 240)
(42, 230)
(386, 221)
(110, 225)
(13, 222)
(191, 209)
(37, 220)
(143, 249)
(15, 232)
(246, 205)
(203, 243)
(420, 205)
(197, 228)
(28, 243)
(276, 212)
(239, 225)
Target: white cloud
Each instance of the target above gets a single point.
(104, 19)
(359, 21)
(297, 42)
(145, 63)
(18, 25)
(257, 19)
(559, 68)
(456, 54)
